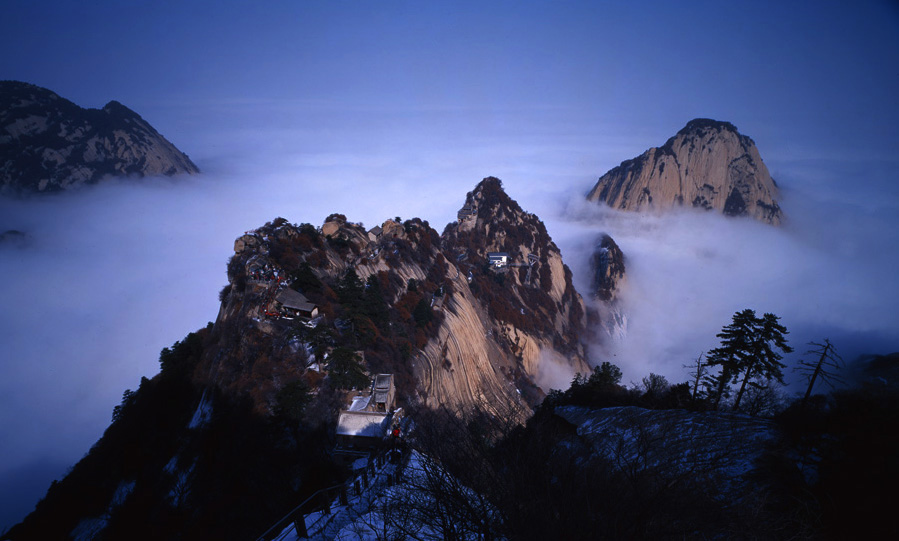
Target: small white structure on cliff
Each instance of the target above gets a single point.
(498, 259)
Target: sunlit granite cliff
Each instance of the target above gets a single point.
(466, 318)
(707, 165)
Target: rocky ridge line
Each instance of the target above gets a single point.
(49, 144)
(457, 331)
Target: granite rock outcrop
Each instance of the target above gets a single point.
(706, 165)
(49, 144)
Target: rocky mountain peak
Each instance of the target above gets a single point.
(699, 125)
(490, 197)
(116, 108)
(709, 130)
(607, 263)
(463, 319)
(49, 144)
(515, 269)
(708, 164)
(491, 221)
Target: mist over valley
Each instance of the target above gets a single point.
(383, 113)
(113, 273)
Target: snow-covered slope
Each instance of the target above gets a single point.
(714, 448)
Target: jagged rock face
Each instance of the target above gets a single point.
(540, 312)
(608, 271)
(707, 165)
(456, 332)
(49, 144)
(607, 263)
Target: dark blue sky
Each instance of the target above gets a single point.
(811, 75)
(378, 109)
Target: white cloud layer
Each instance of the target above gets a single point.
(117, 272)
(829, 272)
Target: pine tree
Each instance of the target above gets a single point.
(345, 369)
(605, 375)
(732, 353)
(349, 290)
(304, 280)
(749, 350)
(373, 303)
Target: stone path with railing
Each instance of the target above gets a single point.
(345, 503)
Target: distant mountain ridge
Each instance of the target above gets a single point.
(49, 144)
(708, 164)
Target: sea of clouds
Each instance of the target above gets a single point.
(111, 274)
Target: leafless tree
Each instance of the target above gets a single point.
(456, 479)
(385, 515)
(450, 485)
(698, 373)
(655, 385)
(764, 399)
(824, 367)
